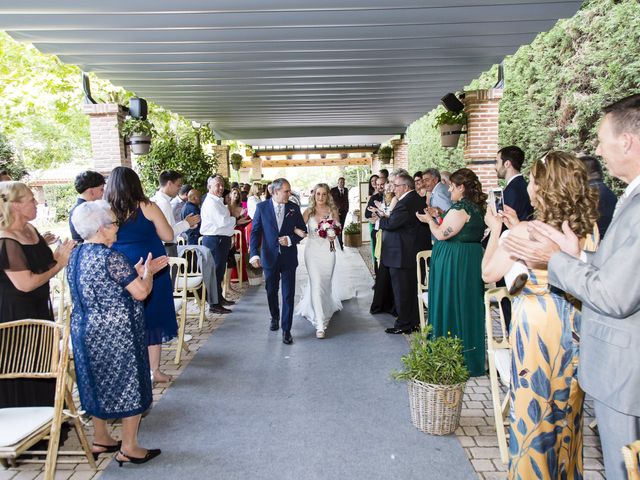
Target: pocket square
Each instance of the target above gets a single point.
(290, 212)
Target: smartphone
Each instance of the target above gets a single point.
(498, 199)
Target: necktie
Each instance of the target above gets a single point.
(619, 204)
(341, 192)
(279, 215)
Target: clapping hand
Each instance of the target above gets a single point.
(424, 217)
(63, 252)
(193, 220)
(50, 237)
(509, 217)
(151, 266)
(434, 211)
(566, 240)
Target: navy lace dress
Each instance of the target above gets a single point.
(136, 238)
(108, 334)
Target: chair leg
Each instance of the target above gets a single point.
(77, 424)
(202, 303)
(240, 268)
(421, 311)
(181, 328)
(499, 409)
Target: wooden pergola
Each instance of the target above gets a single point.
(313, 156)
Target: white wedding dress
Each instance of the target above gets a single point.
(323, 294)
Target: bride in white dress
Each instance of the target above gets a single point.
(320, 300)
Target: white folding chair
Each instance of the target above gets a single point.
(194, 283)
(422, 259)
(178, 269)
(499, 357)
(37, 349)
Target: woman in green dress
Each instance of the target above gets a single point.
(456, 289)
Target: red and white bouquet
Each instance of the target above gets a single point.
(329, 229)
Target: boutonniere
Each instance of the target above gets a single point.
(289, 213)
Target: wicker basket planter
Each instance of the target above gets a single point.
(435, 409)
(352, 240)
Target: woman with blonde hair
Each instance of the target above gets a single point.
(26, 266)
(545, 422)
(320, 299)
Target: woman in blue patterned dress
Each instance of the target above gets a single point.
(108, 332)
(143, 228)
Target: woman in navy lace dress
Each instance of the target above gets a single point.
(143, 228)
(108, 330)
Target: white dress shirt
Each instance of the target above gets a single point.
(216, 219)
(164, 202)
(252, 202)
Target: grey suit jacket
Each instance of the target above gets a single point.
(609, 287)
(440, 197)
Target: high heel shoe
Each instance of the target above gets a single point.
(151, 453)
(107, 448)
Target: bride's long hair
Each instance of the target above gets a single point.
(312, 199)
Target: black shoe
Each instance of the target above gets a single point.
(287, 339)
(107, 448)
(398, 331)
(275, 325)
(219, 309)
(224, 302)
(150, 455)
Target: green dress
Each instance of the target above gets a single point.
(456, 289)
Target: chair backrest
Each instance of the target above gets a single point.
(237, 240)
(33, 349)
(181, 240)
(630, 454)
(200, 240)
(422, 262)
(178, 268)
(194, 267)
(497, 334)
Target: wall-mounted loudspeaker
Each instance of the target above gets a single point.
(451, 103)
(138, 108)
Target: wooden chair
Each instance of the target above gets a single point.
(37, 349)
(630, 454)
(195, 284)
(422, 259)
(499, 357)
(226, 282)
(178, 268)
(60, 297)
(181, 240)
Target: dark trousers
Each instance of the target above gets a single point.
(405, 295)
(219, 246)
(374, 240)
(272, 284)
(171, 249)
(342, 216)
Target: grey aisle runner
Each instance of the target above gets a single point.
(250, 407)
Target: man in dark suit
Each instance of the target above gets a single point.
(607, 199)
(509, 162)
(340, 196)
(401, 234)
(273, 246)
(90, 187)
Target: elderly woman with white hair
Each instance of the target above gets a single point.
(108, 331)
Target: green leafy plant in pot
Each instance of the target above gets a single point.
(352, 235)
(385, 154)
(139, 132)
(436, 375)
(449, 122)
(236, 161)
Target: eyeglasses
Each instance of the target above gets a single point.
(396, 185)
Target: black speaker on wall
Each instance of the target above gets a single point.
(452, 103)
(138, 108)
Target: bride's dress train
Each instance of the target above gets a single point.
(323, 294)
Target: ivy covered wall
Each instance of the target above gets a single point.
(555, 87)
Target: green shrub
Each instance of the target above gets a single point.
(446, 117)
(438, 360)
(352, 229)
(385, 154)
(137, 126)
(62, 198)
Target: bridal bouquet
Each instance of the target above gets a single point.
(329, 229)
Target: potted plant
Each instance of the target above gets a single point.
(236, 161)
(254, 275)
(385, 154)
(139, 132)
(352, 235)
(436, 375)
(450, 122)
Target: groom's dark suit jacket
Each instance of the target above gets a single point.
(265, 234)
(402, 233)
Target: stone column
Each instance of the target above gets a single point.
(222, 152)
(400, 154)
(107, 145)
(481, 144)
(256, 169)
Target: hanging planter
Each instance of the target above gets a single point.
(236, 161)
(450, 125)
(385, 154)
(139, 133)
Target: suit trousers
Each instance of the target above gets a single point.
(405, 295)
(616, 430)
(219, 246)
(272, 283)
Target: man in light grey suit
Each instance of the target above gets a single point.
(439, 196)
(608, 284)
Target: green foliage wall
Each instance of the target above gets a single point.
(62, 198)
(556, 86)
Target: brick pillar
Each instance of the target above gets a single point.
(375, 164)
(400, 153)
(222, 152)
(256, 169)
(107, 145)
(481, 145)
